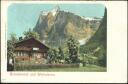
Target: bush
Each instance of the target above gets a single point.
(43, 66)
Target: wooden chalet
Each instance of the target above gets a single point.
(30, 48)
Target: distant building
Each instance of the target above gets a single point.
(30, 49)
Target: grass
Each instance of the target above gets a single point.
(89, 68)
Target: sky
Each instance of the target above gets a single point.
(21, 17)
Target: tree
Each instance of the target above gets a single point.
(55, 56)
(10, 45)
(61, 53)
(102, 59)
(10, 48)
(30, 33)
(52, 56)
(73, 48)
(49, 56)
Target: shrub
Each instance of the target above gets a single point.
(43, 66)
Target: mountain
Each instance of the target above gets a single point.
(97, 44)
(55, 26)
(100, 37)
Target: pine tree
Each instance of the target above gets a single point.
(30, 33)
(73, 48)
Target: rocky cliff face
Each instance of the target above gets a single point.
(56, 26)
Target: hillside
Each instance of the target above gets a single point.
(97, 44)
(100, 37)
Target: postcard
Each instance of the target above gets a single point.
(63, 41)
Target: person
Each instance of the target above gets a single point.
(10, 66)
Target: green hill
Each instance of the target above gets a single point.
(97, 45)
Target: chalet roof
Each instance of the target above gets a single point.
(19, 47)
(28, 39)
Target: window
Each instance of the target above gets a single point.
(35, 48)
(17, 53)
(44, 54)
(22, 53)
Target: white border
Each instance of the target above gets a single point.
(116, 48)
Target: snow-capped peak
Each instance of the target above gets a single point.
(92, 18)
(88, 18)
(55, 10)
(44, 13)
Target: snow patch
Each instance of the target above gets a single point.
(55, 10)
(92, 19)
(88, 18)
(45, 13)
(82, 42)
